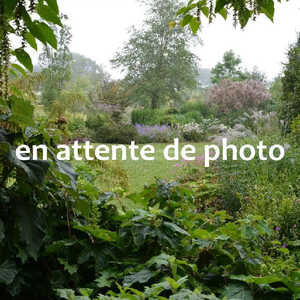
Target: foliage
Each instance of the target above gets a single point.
(291, 86)
(229, 68)
(295, 130)
(56, 64)
(167, 249)
(242, 11)
(103, 129)
(157, 60)
(231, 96)
(146, 116)
(274, 181)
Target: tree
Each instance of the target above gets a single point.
(229, 68)
(291, 85)
(84, 69)
(56, 64)
(243, 11)
(157, 59)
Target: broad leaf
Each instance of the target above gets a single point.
(48, 14)
(237, 292)
(8, 272)
(140, 277)
(98, 233)
(31, 40)
(24, 58)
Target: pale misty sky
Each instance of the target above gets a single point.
(100, 28)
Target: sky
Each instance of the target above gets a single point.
(100, 28)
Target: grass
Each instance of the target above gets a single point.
(144, 172)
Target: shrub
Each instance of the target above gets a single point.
(146, 116)
(77, 128)
(200, 107)
(239, 179)
(193, 132)
(103, 129)
(234, 96)
(295, 130)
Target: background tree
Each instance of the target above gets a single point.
(229, 68)
(157, 60)
(84, 69)
(56, 64)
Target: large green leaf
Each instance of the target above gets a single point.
(48, 14)
(53, 5)
(31, 40)
(237, 292)
(35, 170)
(141, 277)
(176, 228)
(8, 272)
(267, 8)
(194, 25)
(98, 233)
(67, 169)
(28, 221)
(22, 112)
(24, 58)
(42, 32)
(220, 4)
(9, 6)
(48, 34)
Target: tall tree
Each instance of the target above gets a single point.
(156, 58)
(229, 68)
(56, 64)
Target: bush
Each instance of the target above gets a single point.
(200, 107)
(235, 96)
(77, 128)
(193, 132)
(295, 130)
(146, 116)
(103, 130)
(257, 183)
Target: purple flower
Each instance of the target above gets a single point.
(177, 165)
(284, 245)
(277, 228)
(294, 226)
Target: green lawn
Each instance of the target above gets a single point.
(144, 172)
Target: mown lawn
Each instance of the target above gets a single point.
(144, 172)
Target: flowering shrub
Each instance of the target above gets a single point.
(156, 133)
(192, 132)
(230, 96)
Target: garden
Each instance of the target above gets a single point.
(107, 222)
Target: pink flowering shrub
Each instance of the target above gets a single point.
(229, 96)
